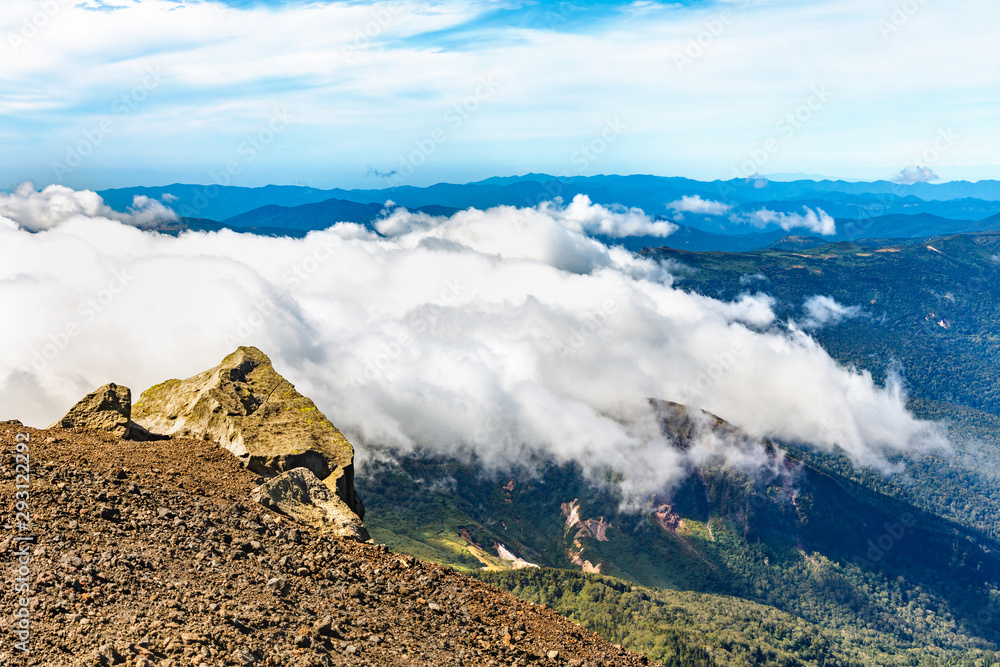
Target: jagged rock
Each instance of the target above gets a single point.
(106, 409)
(251, 410)
(302, 496)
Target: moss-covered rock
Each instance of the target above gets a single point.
(108, 408)
(251, 410)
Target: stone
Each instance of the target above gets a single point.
(300, 495)
(325, 628)
(246, 657)
(108, 655)
(108, 408)
(247, 407)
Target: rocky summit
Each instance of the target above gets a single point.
(247, 407)
(148, 554)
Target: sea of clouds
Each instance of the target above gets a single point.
(507, 332)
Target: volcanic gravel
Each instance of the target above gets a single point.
(150, 553)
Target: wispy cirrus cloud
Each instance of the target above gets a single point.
(367, 79)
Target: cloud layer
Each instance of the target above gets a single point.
(506, 332)
(35, 211)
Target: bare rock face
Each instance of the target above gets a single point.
(300, 495)
(106, 409)
(247, 407)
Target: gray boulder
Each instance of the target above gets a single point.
(300, 495)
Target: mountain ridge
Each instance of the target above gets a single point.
(651, 193)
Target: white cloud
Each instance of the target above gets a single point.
(695, 204)
(615, 222)
(746, 280)
(228, 70)
(147, 213)
(35, 211)
(824, 310)
(915, 175)
(818, 221)
(501, 332)
(581, 216)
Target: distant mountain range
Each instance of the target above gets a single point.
(319, 215)
(653, 194)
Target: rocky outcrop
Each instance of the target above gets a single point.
(300, 495)
(247, 407)
(108, 408)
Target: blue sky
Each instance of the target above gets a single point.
(108, 93)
